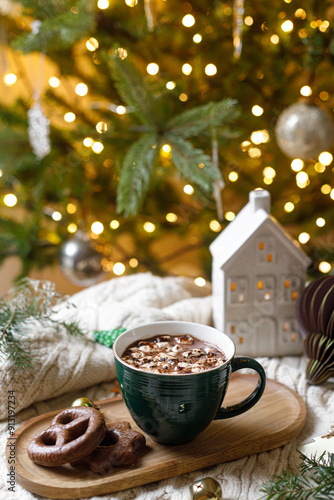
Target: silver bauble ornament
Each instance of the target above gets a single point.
(80, 261)
(304, 131)
(206, 488)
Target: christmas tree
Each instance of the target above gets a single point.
(142, 125)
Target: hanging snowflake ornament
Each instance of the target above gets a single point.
(38, 123)
(238, 21)
(150, 12)
(39, 131)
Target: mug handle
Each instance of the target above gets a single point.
(238, 363)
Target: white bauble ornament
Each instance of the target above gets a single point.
(304, 131)
(80, 262)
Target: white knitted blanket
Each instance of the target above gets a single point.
(69, 368)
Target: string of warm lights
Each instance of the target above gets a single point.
(252, 146)
(97, 228)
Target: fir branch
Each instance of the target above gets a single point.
(13, 239)
(13, 115)
(29, 302)
(193, 164)
(314, 50)
(316, 481)
(42, 9)
(136, 173)
(194, 121)
(60, 27)
(133, 91)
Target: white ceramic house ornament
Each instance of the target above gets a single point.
(258, 271)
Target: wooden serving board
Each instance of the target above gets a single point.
(275, 420)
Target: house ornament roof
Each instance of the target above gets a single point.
(254, 215)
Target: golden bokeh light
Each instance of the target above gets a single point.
(171, 217)
(200, 281)
(114, 224)
(304, 238)
(121, 110)
(10, 200)
(149, 227)
(297, 165)
(210, 69)
(170, 85)
(269, 172)
(233, 176)
(56, 215)
(97, 227)
(325, 158)
(215, 226)
(81, 89)
(324, 267)
(187, 69)
(257, 110)
(69, 117)
(72, 228)
(118, 268)
(103, 4)
(10, 78)
(326, 188)
(101, 127)
(289, 207)
(188, 189)
(92, 44)
(287, 26)
(71, 208)
(229, 216)
(97, 147)
(188, 20)
(306, 91)
(88, 141)
(54, 82)
(152, 68)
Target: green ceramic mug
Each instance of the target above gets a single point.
(174, 409)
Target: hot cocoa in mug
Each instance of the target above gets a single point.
(173, 355)
(173, 376)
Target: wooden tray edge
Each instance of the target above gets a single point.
(166, 472)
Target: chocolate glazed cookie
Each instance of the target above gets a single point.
(120, 447)
(73, 433)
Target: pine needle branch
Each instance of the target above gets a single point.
(60, 26)
(29, 302)
(136, 174)
(133, 91)
(193, 164)
(315, 482)
(194, 121)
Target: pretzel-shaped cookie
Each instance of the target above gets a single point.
(73, 433)
(120, 447)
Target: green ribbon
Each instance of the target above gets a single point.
(107, 337)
